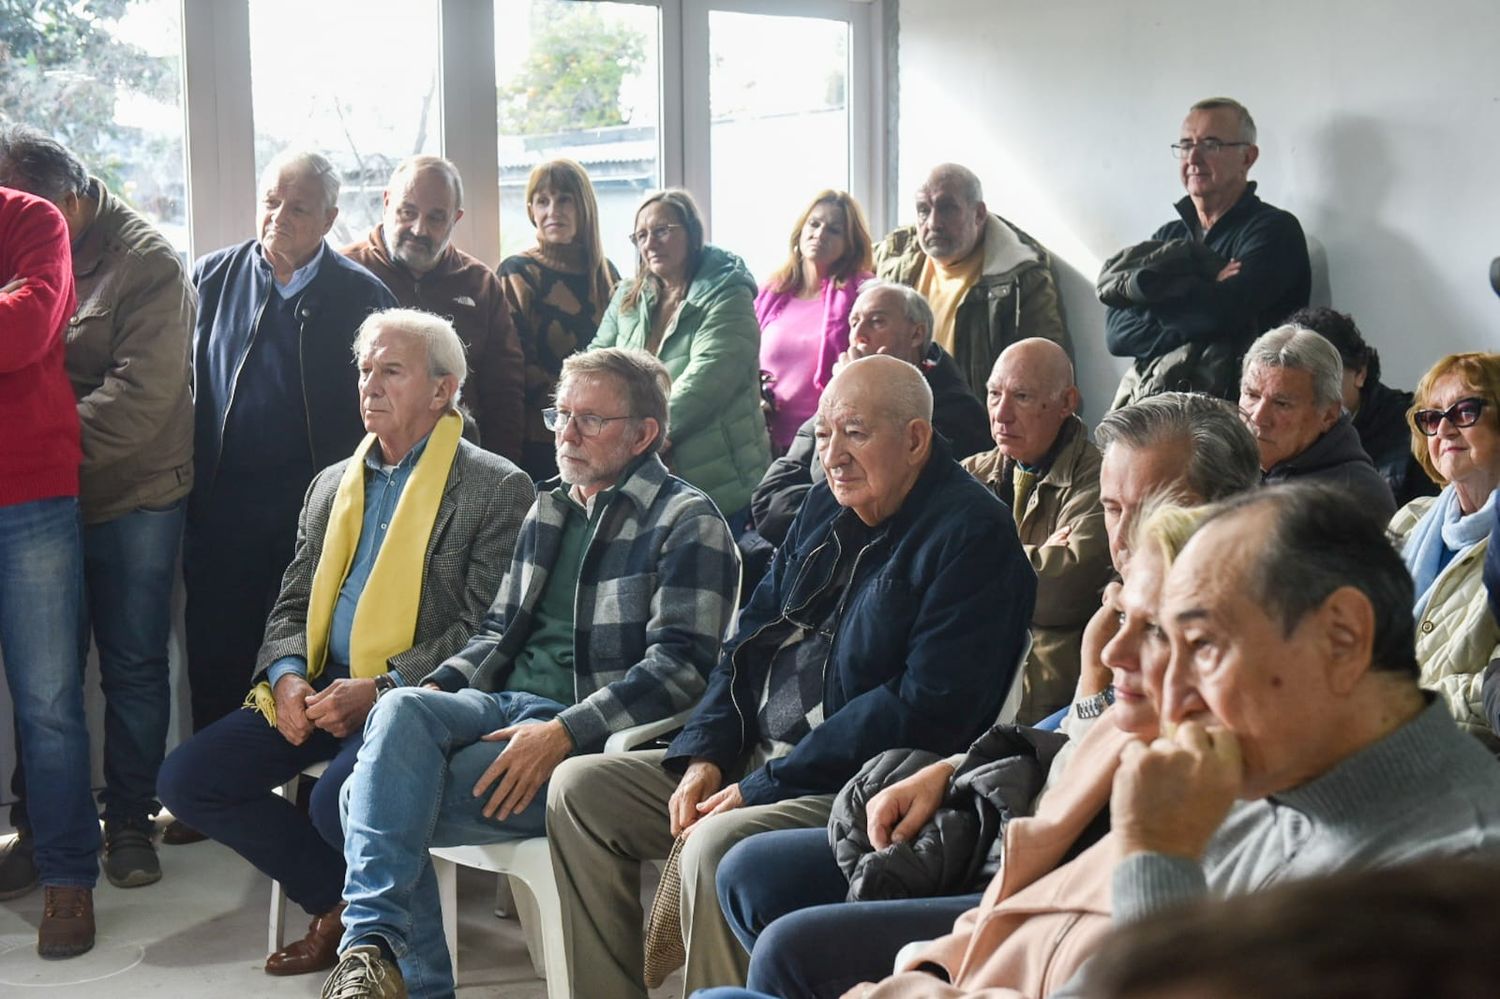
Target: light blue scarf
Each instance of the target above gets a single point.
(1443, 529)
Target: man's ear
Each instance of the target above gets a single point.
(649, 431)
(918, 438)
(1252, 153)
(983, 212)
(446, 389)
(333, 213)
(1347, 621)
(1071, 399)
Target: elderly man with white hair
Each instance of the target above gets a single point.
(1291, 397)
(399, 551)
(989, 283)
(275, 399)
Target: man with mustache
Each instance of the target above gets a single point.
(412, 251)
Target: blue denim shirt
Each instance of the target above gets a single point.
(383, 487)
(302, 276)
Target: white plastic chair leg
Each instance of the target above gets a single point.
(447, 881)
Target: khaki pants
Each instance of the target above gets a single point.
(608, 814)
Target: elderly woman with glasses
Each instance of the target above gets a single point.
(691, 305)
(1455, 425)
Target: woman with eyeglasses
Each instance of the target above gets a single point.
(803, 309)
(691, 305)
(1455, 425)
(557, 292)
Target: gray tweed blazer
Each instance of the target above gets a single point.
(484, 503)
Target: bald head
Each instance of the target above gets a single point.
(950, 213)
(1030, 395)
(890, 387)
(874, 434)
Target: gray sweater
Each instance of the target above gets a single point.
(1427, 789)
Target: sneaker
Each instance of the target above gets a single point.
(18, 866)
(67, 928)
(129, 855)
(363, 973)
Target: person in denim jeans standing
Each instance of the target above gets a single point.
(41, 561)
(128, 355)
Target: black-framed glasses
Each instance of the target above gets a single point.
(587, 423)
(1182, 150)
(639, 237)
(1463, 413)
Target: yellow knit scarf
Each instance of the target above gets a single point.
(385, 619)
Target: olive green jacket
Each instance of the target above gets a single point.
(712, 351)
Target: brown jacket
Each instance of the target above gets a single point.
(129, 357)
(1037, 922)
(466, 292)
(1069, 576)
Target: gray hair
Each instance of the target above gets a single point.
(642, 379)
(968, 184)
(914, 306)
(1321, 539)
(310, 164)
(1247, 123)
(1300, 349)
(40, 165)
(445, 351)
(416, 164)
(1223, 460)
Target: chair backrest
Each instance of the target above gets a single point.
(1012, 703)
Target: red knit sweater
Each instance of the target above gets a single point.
(39, 449)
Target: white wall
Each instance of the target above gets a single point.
(1379, 128)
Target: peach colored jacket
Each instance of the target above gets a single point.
(1037, 922)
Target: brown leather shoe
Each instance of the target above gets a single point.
(318, 951)
(67, 928)
(179, 833)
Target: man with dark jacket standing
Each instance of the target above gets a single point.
(41, 563)
(1291, 398)
(1194, 341)
(277, 399)
(989, 284)
(893, 615)
(886, 318)
(412, 251)
(127, 355)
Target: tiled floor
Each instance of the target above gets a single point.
(201, 931)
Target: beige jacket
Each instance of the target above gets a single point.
(1070, 576)
(1457, 636)
(129, 357)
(1037, 922)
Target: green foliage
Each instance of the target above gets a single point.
(62, 69)
(571, 78)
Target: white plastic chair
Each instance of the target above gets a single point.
(530, 862)
(277, 932)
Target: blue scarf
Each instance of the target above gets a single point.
(1442, 535)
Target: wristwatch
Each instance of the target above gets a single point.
(1093, 707)
(383, 683)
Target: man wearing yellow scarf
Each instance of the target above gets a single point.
(399, 551)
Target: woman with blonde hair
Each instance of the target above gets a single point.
(557, 292)
(1455, 424)
(803, 310)
(690, 304)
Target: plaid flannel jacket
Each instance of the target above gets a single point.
(655, 594)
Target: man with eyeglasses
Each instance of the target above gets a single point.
(1193, 338)
(1291, 398)
(611, 615)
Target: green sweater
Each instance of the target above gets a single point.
(712, 352)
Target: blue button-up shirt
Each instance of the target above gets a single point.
(383, 487)
(302, 276)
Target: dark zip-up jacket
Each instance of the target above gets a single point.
(922, 656)
(234, 284)
(1383, 433)
(1337, 459)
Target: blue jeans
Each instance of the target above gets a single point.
(221, 780)
(783, 895)
(41, 611)
(412, 789)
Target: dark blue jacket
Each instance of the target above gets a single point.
(932, 629)
(234, 285)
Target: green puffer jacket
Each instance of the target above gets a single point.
(1014, 298)
(712, 352)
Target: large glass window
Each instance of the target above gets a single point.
(581, 81)
(356, 80)
(104, 78)
(780, 126)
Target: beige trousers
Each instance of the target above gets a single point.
(608, 814)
